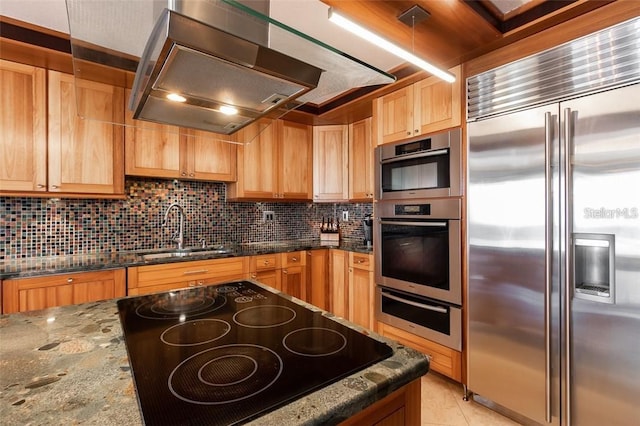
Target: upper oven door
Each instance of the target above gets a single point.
(418, 254)
(428, 167)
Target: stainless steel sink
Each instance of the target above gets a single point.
(184, 253)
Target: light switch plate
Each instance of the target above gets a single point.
(345, 215)
(268, 216)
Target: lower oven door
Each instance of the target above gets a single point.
(435, 321)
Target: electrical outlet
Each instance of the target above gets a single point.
(268, 216)
(345, 215)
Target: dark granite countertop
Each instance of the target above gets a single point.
(36, 266)
(69, 365)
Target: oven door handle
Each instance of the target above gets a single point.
(438, 309)
(412, 156)
(426, 224)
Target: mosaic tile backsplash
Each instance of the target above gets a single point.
(35, 227)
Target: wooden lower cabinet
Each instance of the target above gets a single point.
(339, 276)
(294, 274)
(401, 408)
(172, 276)
(283, 271)
(442, 359)
(27, 294)
(361, 290)
(265, 268)
(317, 282)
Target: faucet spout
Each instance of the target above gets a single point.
(178, 238)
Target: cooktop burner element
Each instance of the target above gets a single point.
(264, 316)
(226, 354)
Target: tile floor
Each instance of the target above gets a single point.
(442, 404)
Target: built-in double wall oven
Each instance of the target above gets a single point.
(417, 245)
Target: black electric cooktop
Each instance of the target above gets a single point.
(226, 354)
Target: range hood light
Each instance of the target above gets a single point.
(228, 110)
(176, 98)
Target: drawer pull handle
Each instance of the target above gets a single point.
(266, 262)
(294, 259)
(69, 280)
(199, 271)
(360, 261)
(284, 271)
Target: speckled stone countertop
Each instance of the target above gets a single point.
(20, 268)
(69, 365)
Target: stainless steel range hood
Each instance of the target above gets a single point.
(199, 50)
(213, 72)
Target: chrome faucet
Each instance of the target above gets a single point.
(177, 237)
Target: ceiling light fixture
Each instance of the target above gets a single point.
(364, 33)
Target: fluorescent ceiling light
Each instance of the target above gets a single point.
(364, 33)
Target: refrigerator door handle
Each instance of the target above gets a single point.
(568, 265)
(548, 260)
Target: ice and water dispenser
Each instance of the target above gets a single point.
(594, 268)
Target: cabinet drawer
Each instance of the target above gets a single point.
(442, 359)
(295, 258)
(26, 294)
(361, 261)
(265, 262)
(200, 272)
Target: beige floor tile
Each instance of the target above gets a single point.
(442, 405)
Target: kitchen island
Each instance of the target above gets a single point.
(70, 365)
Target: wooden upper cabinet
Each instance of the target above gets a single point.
(330, 163)
(428, 106)
(274, 162)
(85, 155)
(23, 127)
(208, 156)
(296, 160)
(361, 172)
(151, 149)
(159, 150)
(257, 162)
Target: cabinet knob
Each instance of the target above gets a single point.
(350, 269)
(55, 186)
(360, 260)
(284, 271)
(308, 253)
(40, 185)
(183, 174)
(408, 133)
(416, 131)
(192, 174)
(294, 259)
(266, 262)
(69, 280)
(254, 276)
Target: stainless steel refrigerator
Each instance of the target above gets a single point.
(553, 295)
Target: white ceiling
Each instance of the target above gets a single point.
(307, 16)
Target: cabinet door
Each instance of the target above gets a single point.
(85, 155)
(330, 163)
(295, 159)
(393, 116)
(151, 149)
(317, 283)
(437, 104)
(294, 281)
(361, 297)
(360, 161)
(257, 162)
(207, 156)
(23, 126)
(271, 278)
(27, 294)
(339, 285)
